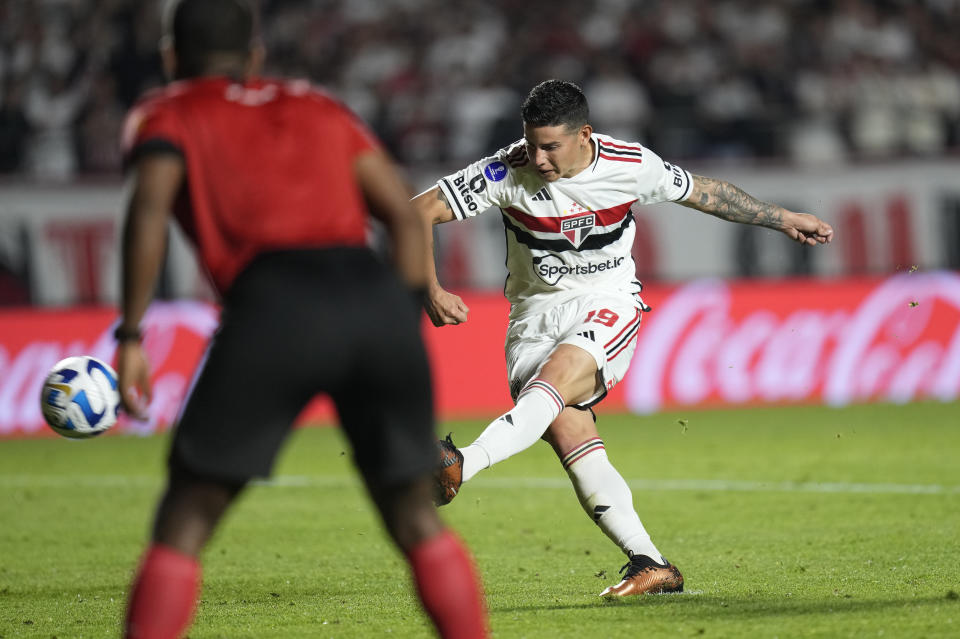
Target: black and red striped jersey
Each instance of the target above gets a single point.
(573, 234)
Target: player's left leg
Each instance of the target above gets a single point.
(602, 491)
(607, 500)
(444, 574)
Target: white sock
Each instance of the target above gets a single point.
(537, 406)
(475, 459)
(607, 499)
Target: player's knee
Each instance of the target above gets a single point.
(191, 508)
(571, 428)
(549, 437)
(572, 371)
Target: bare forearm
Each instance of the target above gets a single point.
(728, 202)
(406, 237)
(144, 241)
(430, 263)
(152, 187)
(433, 209)
(388, 199)
(442, 306)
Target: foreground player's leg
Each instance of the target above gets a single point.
(167, 583)
(567, 377)
(164, 594)
(446, 580)
(607, 500)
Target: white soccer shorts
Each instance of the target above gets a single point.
(605, 325)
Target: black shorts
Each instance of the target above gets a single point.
(296, 324)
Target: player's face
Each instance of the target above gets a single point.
(557, 151)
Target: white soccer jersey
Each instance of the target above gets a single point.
(574, 234)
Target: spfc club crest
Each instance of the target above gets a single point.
(576, 229)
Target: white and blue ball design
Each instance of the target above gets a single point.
(80, 398)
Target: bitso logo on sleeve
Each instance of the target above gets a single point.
(495, 171)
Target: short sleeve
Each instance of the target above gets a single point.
(661, 181)
(150, 127)
(360, 139)
(481, 185)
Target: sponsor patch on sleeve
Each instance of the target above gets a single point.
(495, 171)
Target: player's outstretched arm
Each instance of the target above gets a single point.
(728, 202)
(442, 306)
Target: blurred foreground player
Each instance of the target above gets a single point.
(271, 179)
(565, 195)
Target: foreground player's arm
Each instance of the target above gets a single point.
(728, 202)
(388, 198)
(442, 307)
(154, 183)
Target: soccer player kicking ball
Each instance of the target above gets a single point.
(273, 180)
(565, 194)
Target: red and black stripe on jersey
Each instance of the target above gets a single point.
(591, 242)
(553, 224)
(619, 152)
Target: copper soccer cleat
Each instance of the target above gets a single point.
(449, 472)
(645, 576)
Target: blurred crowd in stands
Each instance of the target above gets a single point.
(802, 81)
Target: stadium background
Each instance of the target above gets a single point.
(849, 109)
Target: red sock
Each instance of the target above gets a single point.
(163, 596)
(448, 587)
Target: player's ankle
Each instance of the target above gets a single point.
(475, 459)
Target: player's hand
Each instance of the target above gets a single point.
(133, 378)
(807, 229)
(445, 308)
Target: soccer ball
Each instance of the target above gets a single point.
(80, 398)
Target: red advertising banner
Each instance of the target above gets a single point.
(706, 343)
(32, 341)
(831, 341)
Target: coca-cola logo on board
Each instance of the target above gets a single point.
(896, 340)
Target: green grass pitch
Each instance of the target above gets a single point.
(786, 522)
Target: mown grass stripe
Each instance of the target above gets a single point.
(694, 485)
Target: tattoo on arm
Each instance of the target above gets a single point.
(443, 198)
(729, 202)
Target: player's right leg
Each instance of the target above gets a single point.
(569, 375)
(225, 437)
(167, 582)
(607, 500)
(190, 510)
(218, 445)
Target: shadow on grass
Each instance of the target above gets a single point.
(711, 606)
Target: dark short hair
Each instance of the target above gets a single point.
(555, 102)
(200, 28)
